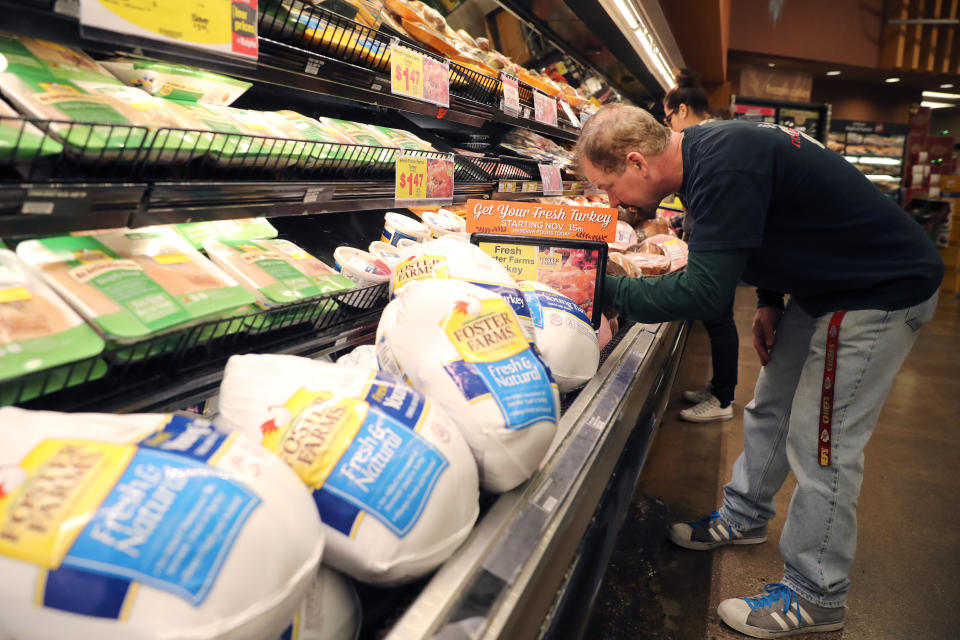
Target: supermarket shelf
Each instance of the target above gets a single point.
(279, 64)
(503, 582)
(177, 368)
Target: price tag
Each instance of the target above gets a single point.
(544, 108)
(221, 26)
(420, 77)
(552, 182)
(568, 110)
(424, 180)
(531, 186)
(511, 95)
(507, 187)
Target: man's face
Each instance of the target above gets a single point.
(634, 187)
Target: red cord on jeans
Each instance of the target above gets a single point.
(826, 391)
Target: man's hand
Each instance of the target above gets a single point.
(764, 327)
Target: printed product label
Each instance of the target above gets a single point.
(169, 522)
(550, 301)
(101, 515)
(14, 294)
(497, 360)
(515, 298)
(422, 268)
(360, 456)
(290, 284)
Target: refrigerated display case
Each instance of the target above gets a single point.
(876, 148)
(812, 119)
(532, 561)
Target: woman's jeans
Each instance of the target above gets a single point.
(781, 432)
(725, 352)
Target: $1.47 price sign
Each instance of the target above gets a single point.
(552, 181)
(544, 108)
(424, 180)
(417, 76)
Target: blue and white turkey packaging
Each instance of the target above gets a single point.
(147, 526)
(448, 258)
(564, 335)
(462, 345)
(394, 482)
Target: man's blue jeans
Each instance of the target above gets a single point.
(781, 433)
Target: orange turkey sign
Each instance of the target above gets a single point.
(542, 220)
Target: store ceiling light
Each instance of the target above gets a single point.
(937, 105)
(948, 85)
(941, 94)
(892, 80)
(771, 64)
(881, 178)
(833, 73)
(879, 161)
(628, 13)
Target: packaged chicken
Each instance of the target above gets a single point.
(147, 526)
(37, 329)
(177, 82)
(276, 271)
(196, 233)
(448, 258)
(393, 479)
(367, 136)
(20, 140)
(330, 142)
(133, 284)
(401, 139)
(463, 345)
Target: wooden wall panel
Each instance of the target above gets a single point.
(921, 47)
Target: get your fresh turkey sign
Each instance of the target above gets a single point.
(542, 220)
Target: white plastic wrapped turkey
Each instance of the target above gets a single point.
(330, 610)
(565, 336)
(392, 477)
(462, 345)
(449, 258)
(147, 526)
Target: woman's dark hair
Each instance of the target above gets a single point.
(689, 92)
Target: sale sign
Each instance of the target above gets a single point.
(511, 95)
(541, 220)
(221, 26)
(419, 76)
(544, 108)
(424, 180)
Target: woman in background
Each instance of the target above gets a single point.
(687, 105)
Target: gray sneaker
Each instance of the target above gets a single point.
(778, 612)
(711, 532)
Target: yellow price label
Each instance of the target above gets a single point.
(406, 72)
(411, 178)
(171, 258)
(531, 186)
(14, 294)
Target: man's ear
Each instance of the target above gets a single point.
(682, 111)
(636, 158)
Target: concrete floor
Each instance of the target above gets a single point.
(906, 578)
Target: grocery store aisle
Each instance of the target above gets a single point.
(905, 579)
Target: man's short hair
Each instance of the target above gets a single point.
(616, 130)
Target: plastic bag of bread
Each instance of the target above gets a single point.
(670, 246)
(565, 335)
(462, 345)
(657, 226)
(147, 526)
(330, 610)
(37, 329)
(449, 258)
(135, 283)
(392, 477)
(275, 271)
